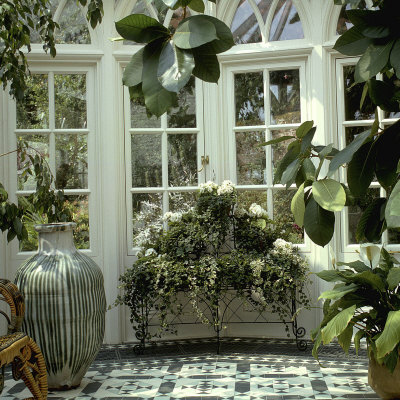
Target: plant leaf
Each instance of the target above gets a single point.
(371, 223)
(318, 223)
(175, 67)
(206, 66)
(133, 71)
(395, 57)
(289, 176)
(337, 324)
(390, 336)
(393, 278)
(357, 339)
(304, 128)
(276, 140)
(331, 275)
(298, 206)
(140, 28)
(392, 212)
(287, 159)
(352, 43)
(194, 31)
(329, 194)
(338, 291)
(345, 337)
(197, 5)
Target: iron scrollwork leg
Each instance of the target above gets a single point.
(298, 332)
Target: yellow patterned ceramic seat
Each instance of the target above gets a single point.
(19, 350)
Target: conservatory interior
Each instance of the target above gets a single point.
(209, 275)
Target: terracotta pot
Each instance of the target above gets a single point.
(65, 305)
(385, 384)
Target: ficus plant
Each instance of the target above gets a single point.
(159, 70)
(374, 153)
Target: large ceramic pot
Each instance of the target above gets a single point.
(385, 384)
(65, 304)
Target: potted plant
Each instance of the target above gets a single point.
(207, 251)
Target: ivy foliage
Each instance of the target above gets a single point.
(18, 18)
(373, 153)
(208, 251)
(159, 70)
(46, 202)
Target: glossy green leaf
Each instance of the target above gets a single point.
(395, 57)
(383, 95)
(357, 340)
(392, 212)
(157, 99)
(276, 140)
(344, 339)
(141, 29)
(337, 324)
(370, 226)
(390, 336)
(197, 5)
(361, 169)
(289, 176)
(344, 156)
(304, 128)
(338, 291)
(175, 67)
(288, 158)
(368, 278)
(331, 275)
(206, 66)
(393, 278)
(372, 61)
(194, 32)
(358, 266)
(318, 223)
(352, 43)
(307, 139)
(329, 194)
(133, 71)
(298, 206)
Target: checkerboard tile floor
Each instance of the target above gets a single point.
(247, 374)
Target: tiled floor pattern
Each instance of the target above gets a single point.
(239, 376)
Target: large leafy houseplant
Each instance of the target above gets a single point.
(207, 251)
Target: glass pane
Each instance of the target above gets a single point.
(283, 215)
(285, 97)
(184, 116)
(249, 99)
(182, 160)
(286, 24)
(353, 132)
(146, 217)
(182, 201)
(70, 101)
(279, 150)
(250, 159)
(37, 144)
(247, 197)
(354, 212)
(146, 160)
(352, 98)
(71, 162)
(344, 23)
(394, 236)
(33, 111)
(245, 28)
(73, 26)
(139, 117)
(264, 6)
(79, 206)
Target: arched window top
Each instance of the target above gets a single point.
(266, 20)
(71, 19)
(344, 23)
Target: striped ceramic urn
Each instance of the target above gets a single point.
(65, 304)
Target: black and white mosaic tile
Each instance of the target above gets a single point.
(118, 374)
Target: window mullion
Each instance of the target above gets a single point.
(52, 113)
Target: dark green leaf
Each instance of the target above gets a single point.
(289, 157)
(197, 5)
(338, 291)
(371, 224)
(393, 278)
(298, 206)
(390, 336)
(304, 128)
(194, 32)
(133, 72)
(358, 266)
(360, 171)
(141, 29)
(206, 66)
(337, 324)
(289, 176)
(276, 140)
(352, 43)
(344, 339)
(318, 223)
(392, 212)
(329, 194)
(307, 139)
(383, 95)
(395, 58)
(332, 275)
(175, 67)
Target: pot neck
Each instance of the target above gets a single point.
(56, 238)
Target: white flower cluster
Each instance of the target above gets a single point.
(282, 246)
(226, 187)
(257, 211)
(150, 252)
(208, 187)
(172, 217)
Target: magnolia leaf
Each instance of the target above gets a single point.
(383, 95)
(352, 43)
(288, 158)
(357, 340)
(393, 278)
(390, 336)
(194, 31)
(298, 206)
(197, 5)
(206, 66)
(319, 223)
(360, 171)
(175, 67)
(276, 140)
(344, 339)
(372, 62)
(344, 156)
(392, 212)
(395, 57)
(329, 194)
(133, 71)
(141, 29)
(325, 151)
(371, 223)
(304, 128)
(338, 291)
(337, 324)
(307, 139)
(289, 176)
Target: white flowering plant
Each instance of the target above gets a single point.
(207, 250)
